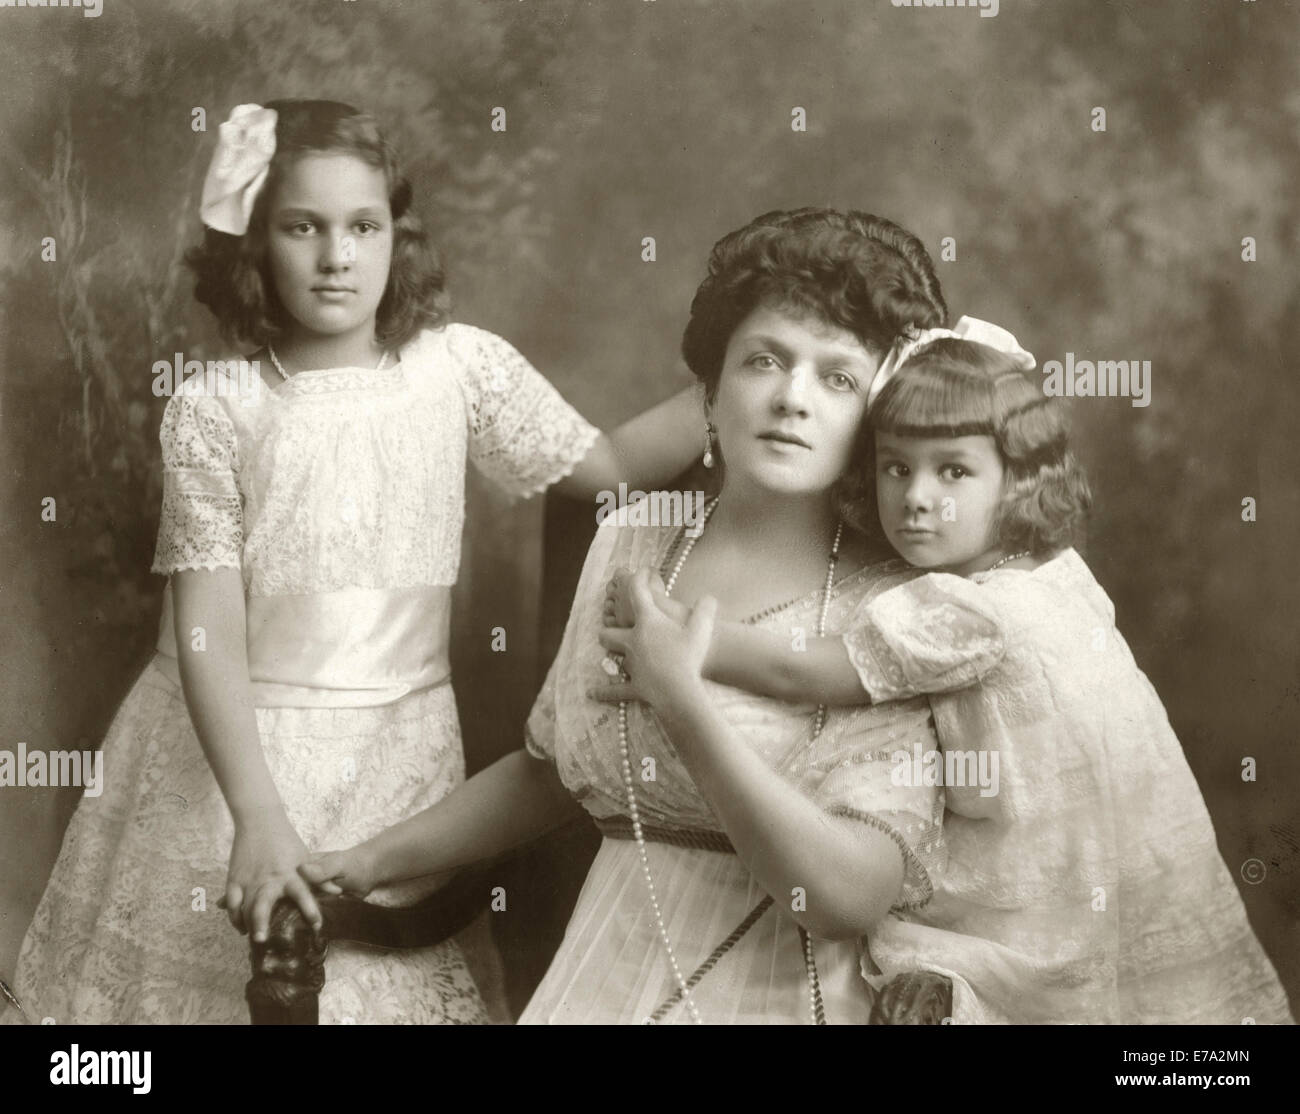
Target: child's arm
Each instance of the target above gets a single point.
(765, 662)
(267, 850)
(644, 452)
(512, 802)
(745, 656)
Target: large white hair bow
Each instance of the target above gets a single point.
(238, 169)
(967, 328)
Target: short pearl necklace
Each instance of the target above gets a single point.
(270, 351)
(634, 815)
(1006, 561)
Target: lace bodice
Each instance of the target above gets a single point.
(349, 477)
(846, 769)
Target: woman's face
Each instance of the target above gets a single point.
(330, 241)
(792, 394)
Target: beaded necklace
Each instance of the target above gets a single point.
(1007, 560)
(819, 721)
(270, 351)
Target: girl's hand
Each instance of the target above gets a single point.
(264, 864)
(352, 871)
(618, 610)
(663, 657)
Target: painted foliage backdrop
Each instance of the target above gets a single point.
(673, 119)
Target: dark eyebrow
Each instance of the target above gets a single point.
(764, 341)
(299, 210)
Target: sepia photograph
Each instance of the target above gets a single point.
(676, 512)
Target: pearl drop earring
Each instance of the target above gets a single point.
(709, 431)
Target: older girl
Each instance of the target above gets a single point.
(311, 528)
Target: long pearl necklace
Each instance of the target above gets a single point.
(634, 815)
(270, 351)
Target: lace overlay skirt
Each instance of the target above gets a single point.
(128, 930)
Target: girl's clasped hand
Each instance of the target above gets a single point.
(663, 644)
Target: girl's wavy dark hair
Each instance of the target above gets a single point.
(233, 272)
(958, 388)
(858, 271)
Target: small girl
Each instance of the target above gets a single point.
(311, 528)
(1084, 882)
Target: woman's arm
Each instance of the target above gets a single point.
(513, 801)
(645, 452)
(850, 874)
(266, 851)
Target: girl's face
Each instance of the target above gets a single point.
(792, 393)
(938, 499)
(330, 236)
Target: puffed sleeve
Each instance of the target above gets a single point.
(522, 434)
(539, 731)
(579, 643)
(201, 526)
(869, 765)
(937, 633)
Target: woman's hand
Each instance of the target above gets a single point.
(663, 656)
(352, 871)
(264, 863)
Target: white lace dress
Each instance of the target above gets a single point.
(340, 496)
(1088, 887)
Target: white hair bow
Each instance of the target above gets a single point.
(238, 169)
(967, 328)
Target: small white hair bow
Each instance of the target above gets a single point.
(967, 328)
(238, 169)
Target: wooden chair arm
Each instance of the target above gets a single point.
(289, 968)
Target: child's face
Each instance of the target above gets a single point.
(938, 499)
(330, 235)
(790, 399)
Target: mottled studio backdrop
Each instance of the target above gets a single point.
(677, 120)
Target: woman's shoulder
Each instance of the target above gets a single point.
(866, 576)
(643, 526)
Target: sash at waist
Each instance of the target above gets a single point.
(700, 839)
(355, 647)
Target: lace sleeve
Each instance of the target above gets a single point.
(937, 633)
(522, 434)
(201, 526)
(539, 731)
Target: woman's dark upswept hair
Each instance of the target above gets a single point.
(233, 273)
(958, 388)
(858, 271)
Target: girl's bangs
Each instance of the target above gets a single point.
(931, 401)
